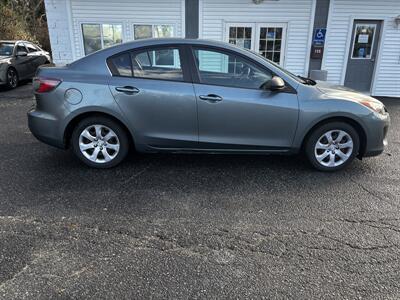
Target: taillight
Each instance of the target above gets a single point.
(44, 85)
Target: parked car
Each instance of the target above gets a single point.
(176, 95)
(19, 60)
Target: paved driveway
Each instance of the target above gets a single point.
(193, 226)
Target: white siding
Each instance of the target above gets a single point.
(127, 13)
(296, 13)
(387, 73)
(58, 23)
(66, 16)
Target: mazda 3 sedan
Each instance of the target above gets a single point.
(19, 60)
(181, 95)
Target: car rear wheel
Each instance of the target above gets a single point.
(332, 146)
(12, 78)
(100, 142)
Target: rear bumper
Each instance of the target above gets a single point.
(377, 128)
(45, 128)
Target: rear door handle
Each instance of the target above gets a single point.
(127, 90)
(211, 98)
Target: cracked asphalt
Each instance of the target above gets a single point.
(193, 226)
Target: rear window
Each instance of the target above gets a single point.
(121, 65)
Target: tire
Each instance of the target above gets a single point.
(100, 142)
(12, 78)
(334, 153)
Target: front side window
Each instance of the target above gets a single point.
(99, 36)
(222, 68)
(21, 48)
(163, 63)
(152, 31)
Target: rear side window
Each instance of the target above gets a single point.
(162, 64)
(121, 65)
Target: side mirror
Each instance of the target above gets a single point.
(22, 53)
(275, 84)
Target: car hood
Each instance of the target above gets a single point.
(342, 92)
(3, 58)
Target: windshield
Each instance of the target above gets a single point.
(6, 49)
(291, 75)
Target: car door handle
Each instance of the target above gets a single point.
(211, 98)
(127, 90)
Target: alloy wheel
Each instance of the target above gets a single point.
(99, 143)
(12, 78)
(333, 148)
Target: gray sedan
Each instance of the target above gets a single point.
(176, 95)
(19, 60)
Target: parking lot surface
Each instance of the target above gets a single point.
(193, 226)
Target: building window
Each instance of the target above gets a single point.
(270, 45)
(152, 31)
(240, 36)
(99, 36)
(363, 41)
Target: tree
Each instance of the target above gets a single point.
(24, 19)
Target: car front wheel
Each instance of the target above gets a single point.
(332, 146)
(100, 142)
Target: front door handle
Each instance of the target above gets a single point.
(127, 90)
(211, 98)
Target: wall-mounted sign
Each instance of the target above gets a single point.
(363, 38)
(317, 52)
(319, 36)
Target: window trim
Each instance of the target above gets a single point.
(196, 75)
(101, 33)
(185, 64)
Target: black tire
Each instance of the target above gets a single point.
(315, 136)
(122, 139)
(12, 78)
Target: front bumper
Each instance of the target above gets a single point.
(377, 128)
(45, 128)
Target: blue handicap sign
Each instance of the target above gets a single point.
(319, 36)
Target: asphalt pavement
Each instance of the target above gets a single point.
(193, 226)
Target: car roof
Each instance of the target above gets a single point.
(15, 41)
(132, 45)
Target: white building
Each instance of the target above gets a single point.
(361, 47)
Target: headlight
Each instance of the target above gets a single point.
(377, 107)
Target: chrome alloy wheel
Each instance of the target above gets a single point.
(12, 78)
(333, 148)
(99, 144)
